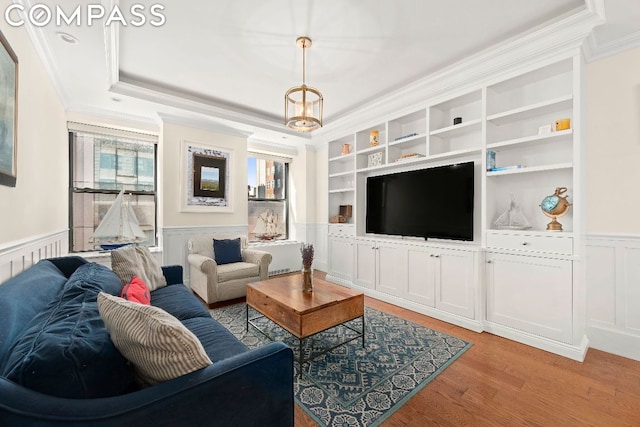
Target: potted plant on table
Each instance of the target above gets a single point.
(307, 271)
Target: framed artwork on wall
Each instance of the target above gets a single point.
(205, 178)
(8, 113)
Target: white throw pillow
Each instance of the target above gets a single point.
(156, 343)
(129, 261)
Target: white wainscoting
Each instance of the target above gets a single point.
(613, 294)
(15, 257)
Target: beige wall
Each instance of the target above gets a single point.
(39, 203)
(302, 192)
(171, 139)
(322, 186)
(613, 144)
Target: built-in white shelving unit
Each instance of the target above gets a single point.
(518, 283)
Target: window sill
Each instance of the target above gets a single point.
(272, 243)
(102, 254)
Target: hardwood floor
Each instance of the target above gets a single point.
(499, 382)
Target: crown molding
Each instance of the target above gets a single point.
(112, 48)
(43, 50)
(204, 123)
(171, 98)
(594, 50)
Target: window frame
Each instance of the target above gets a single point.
(75, 190)
(285, 199)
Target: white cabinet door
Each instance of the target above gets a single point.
(420, 276)
(530, 294)
(454, 281)
(341, 257)
(391, 269)
(365, 264)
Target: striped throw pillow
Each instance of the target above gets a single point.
(156, 343)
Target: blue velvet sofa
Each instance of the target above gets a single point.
(58, 366)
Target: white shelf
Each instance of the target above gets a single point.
(339, 174)
(379, 147)
(408, 140)
(530, 139)
(341, 190)
(342, 158)
(531, 169)
(455, 153)
(532, 110)
(531, 232)
(461, 129)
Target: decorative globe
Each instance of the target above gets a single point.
(554, 207)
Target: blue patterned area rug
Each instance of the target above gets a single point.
(351, 385)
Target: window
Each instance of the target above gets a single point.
(268, 205)
(103, 162)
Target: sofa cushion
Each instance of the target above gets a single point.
(237, 270)
(136, 291)
(178, 300)
(227, 251)
(23, 297)
(65, 350)
(217, 341)
(157, 344)
(129, 261)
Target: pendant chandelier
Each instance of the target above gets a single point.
(303, 104)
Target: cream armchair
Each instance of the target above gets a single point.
(212, 282)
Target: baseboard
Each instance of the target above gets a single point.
(575, 352)
(614, 341)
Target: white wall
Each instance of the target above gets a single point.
(38, 204)
(613, 144)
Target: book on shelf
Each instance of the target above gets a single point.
(505, 168)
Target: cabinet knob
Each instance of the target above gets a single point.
(436, 256)
(489, 262)
(525, 243)
(373, 248)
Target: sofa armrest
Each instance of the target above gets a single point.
(262, 258)
(254, 388)
(173, 274)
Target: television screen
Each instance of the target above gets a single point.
(435, 202)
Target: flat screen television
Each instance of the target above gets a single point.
(430, 203)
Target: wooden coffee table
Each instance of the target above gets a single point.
(304, 314)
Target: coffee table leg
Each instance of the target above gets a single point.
(300, 361)
(363, 331)
(246, 328)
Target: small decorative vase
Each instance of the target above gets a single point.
(307, 279)
(373, 138)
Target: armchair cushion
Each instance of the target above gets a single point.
(227, 251)
(237, 270)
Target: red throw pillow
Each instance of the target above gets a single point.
(136, 291)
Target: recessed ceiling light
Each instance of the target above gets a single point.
(67, 37)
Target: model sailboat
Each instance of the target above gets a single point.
(119, 226)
